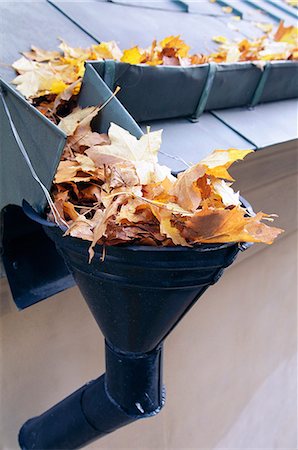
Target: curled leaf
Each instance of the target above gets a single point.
(78, 117)
(217, 163)
(185, 189)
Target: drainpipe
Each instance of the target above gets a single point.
(137, 295)
(130, 389)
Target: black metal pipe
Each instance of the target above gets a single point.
(130, 389)
(137, 295)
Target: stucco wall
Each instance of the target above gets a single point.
(230, 366)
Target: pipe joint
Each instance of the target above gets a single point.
(134, 380)
(130, 389)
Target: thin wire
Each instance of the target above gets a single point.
(177, 158)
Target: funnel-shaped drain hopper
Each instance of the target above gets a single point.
(138, 294)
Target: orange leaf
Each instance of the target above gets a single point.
(219, 161)
(228, 225)
(286, 34)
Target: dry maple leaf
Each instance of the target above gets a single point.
(142, 153)
(133, 55)
(185, 189)
(174, 46)
(68, 170)
(228, 225)
(286, 34)
(40, 55)
(79, 117)
(217, 163)
(106, 50)
(75, 53)
(228, 196)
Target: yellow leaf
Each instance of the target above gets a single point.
(293, 3)
(286, 34)
(219, 161)
(177, 44)
(107, 50)
(76, 53)
(266, 27)
(220, 39)
(67, 93)
(227, 9)
(133, 55)
(57, 86)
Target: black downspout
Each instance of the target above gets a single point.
(137, 295)
(130, 389)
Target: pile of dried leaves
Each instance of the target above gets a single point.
(110, 189)
(51, 80)
(44, 73)
(279, 45)
(272, 46)
(292, 3)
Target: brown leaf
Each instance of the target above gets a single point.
(186, 190)
(81, 169)
(79, 117)
(123, 174)
(101, 223)
(83, 137)
(70, 211)
(91, 194)
(100, 159)
(40, 55)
